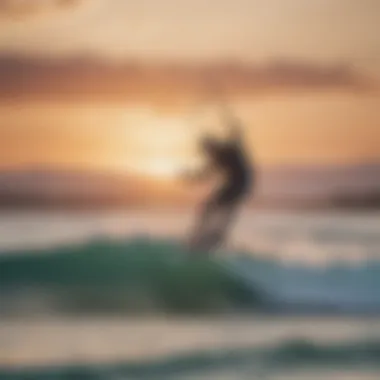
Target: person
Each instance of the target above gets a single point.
(230, 160)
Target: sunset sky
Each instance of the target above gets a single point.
(122, 84)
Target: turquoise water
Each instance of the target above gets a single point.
(115, 277)
(80, 299)
(151, 275)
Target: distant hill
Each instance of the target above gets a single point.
(320, 186)
(67, 188)
(292, 186)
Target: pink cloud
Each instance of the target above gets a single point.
(25, 8)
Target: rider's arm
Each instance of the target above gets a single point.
(198, 174)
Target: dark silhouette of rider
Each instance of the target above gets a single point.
(229, 159)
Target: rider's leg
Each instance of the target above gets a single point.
(206, 216)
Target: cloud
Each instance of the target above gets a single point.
(24, 8)
(93, 80)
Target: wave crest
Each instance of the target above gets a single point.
(145, 275)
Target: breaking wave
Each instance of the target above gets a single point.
(144, 275)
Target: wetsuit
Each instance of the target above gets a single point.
(230, 160)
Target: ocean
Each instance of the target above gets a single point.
(115, 296)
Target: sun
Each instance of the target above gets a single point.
(162, 168)
(161, 145)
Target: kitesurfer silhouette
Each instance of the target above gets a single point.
(230, 160)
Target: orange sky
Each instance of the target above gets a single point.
(310, 94)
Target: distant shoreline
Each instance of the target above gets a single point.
(35, 206)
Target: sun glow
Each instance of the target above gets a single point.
(161, 168)
(160, 145)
